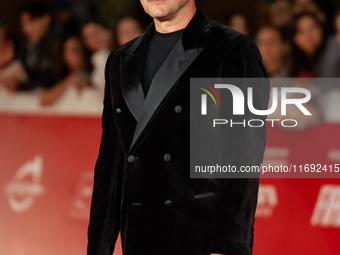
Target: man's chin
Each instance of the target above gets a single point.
(158, 13)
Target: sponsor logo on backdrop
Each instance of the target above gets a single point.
(327, 208)
(267, 201)
(80, 207)
(25, 185)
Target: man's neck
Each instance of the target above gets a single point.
(178, 22)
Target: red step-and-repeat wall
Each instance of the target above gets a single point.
(46, 177)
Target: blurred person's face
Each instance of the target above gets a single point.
(337, 26)
(163, 9)
(72, 54)
(34, 28)
(128, 29)
(95, 36)
(239, 23)
(308, 6)
(308, 36)
(281, 13)
(270, 45)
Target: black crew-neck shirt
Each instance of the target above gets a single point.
(160, 45)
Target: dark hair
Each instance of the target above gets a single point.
(95, 21)
(299, 60)
(8, 35)
(104, 25)
(337, 13)
(60, 67)
(35, 9)
(274, 28)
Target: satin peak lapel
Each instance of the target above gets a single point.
(132, 90)
(170, 71)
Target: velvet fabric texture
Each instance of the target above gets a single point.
(142, 186)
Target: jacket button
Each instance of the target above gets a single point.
(168, 203)
(131, 158)
(118, 111)
(178, 109)
(167, 157)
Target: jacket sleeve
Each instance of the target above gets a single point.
(234, 218)
(104, 223)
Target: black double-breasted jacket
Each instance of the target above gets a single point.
(142, 186)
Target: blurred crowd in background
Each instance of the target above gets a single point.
(58, 50)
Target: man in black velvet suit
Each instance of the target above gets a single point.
(142, 186)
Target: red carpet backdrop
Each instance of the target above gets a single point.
(46, 179)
